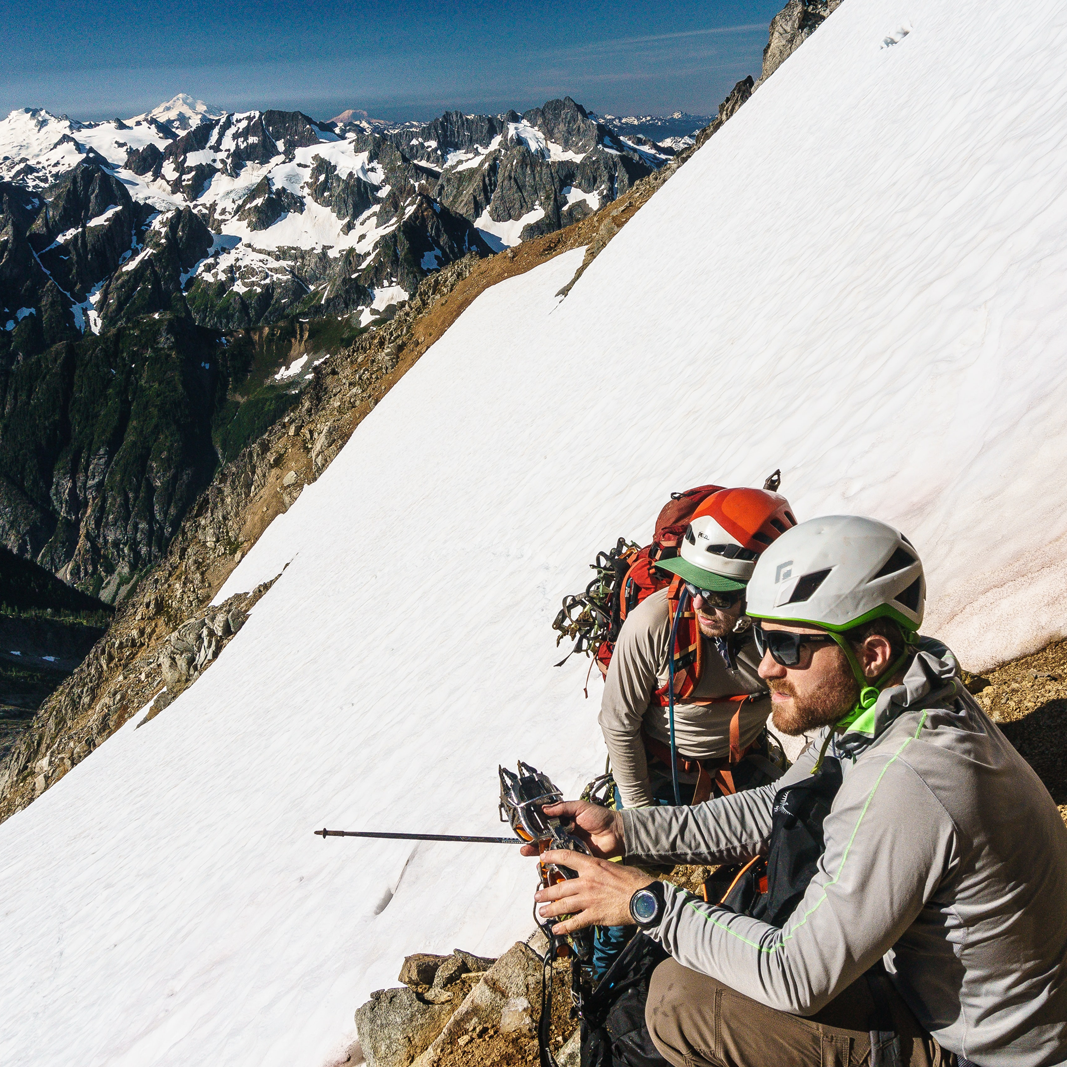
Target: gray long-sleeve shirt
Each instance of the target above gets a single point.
(944, 854)
(639, 667)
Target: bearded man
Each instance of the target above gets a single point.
(929, 929)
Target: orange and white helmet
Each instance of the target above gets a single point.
(726, 535)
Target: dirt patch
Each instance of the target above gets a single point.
(488, 1046)
(1027, 698)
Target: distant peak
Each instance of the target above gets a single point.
(183, 112)
(355, 114)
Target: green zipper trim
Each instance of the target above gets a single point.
(852, 837)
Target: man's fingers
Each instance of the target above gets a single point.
(566, 888)
(528, 850)
(567, 906)
(565, 857)
(564, 807)
(568, 927)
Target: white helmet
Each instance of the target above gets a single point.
(725, 536)
(838, 572)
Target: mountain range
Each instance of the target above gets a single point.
(245, 219)
(168, 282)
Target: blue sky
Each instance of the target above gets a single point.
(101, 58)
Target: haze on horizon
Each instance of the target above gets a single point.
(95, 60)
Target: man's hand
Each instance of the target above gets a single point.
(599, 896)
(600, 828)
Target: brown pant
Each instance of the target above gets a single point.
(696, 1021)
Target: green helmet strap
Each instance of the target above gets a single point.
(870, 691)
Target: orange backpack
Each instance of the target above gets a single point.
(625, 576)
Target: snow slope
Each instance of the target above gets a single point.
(862, 279)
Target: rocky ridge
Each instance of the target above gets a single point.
(790, 28)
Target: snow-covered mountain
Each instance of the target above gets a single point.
(249, 218)
(357, 116)
(181, 113)
(673, 132)
(862, 278)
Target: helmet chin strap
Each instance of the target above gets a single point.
(870, 689)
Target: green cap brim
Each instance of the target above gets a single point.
(690, 572)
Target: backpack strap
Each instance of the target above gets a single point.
(686, 654)
(886, 1047)
(707, 771)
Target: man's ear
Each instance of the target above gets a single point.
(876, 655)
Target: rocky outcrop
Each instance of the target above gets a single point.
(790, 28)
(727, 109)
(397, 1025)
(104, 445)
(194, 646)
(459, 1010)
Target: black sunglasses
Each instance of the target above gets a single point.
(783, 645)
(715, 599)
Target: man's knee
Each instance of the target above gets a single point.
(677, 1014)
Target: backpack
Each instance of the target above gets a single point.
(613, 1014)
(769, 888)
(625, 576)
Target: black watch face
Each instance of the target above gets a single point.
(645, 906)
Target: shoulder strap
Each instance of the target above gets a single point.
(688, 650)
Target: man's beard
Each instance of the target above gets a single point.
(822, 708)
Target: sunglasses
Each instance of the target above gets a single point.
(714, 599)
(783, 645)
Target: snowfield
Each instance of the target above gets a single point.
(861, 279)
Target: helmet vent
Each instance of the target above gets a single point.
(910, 597)
(762, 538)
(807, 586)
(731, 551)
(896, 562)
(689, 535)
(789, 516)
(778, 525)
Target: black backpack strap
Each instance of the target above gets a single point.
(613, 1016)
(886, 1047)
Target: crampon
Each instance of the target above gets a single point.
(523, 797)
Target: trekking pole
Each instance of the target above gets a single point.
(324, 833)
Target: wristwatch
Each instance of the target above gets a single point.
(647, 904)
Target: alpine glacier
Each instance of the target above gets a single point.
(862, 279)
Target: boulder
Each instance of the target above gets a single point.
(396, 1025)
(420, 969)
